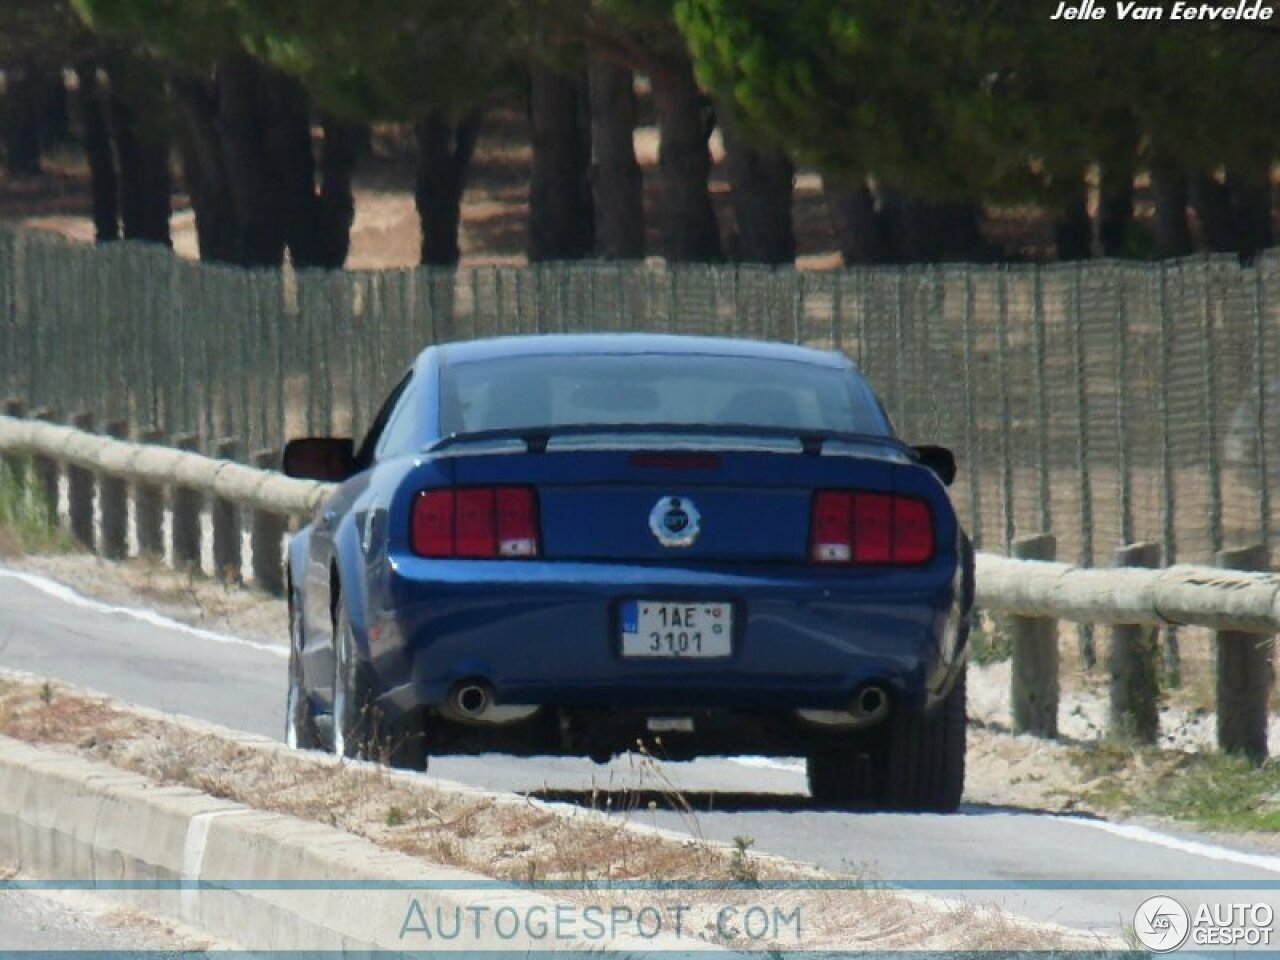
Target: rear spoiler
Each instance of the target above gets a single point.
(536, 439)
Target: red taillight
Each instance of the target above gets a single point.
(832, 538)
(432, 533)
(474, 523)
(481, 522)
(517, 522)
(912, 531)
(870, 528)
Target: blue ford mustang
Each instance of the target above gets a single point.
(568, 544)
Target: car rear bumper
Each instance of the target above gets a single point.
(547, 634)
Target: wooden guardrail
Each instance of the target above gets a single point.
(109, 462)
(1243, 606)
(1135, 597)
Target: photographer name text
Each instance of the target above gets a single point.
(1180, 10)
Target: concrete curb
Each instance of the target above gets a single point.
(251, 877)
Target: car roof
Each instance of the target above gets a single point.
(552, 344)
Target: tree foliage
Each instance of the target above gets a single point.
(46, 33)
(983, 98)
(192, 34)
(390, 59)
(366, 59)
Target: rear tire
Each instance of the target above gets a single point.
(360, 729)
(299, 725)
(840, 778)
(922, 763)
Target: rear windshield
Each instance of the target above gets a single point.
(549, 391)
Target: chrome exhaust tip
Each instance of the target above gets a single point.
(472, 701)
(868, 706)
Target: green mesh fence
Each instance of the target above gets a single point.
(1102, 402)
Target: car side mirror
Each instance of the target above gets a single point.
(940, 460)
(330, 459)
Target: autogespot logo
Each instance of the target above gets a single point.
(1161, 924)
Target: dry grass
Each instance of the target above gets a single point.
(496, 835)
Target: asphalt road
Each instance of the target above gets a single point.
(1068, 870)
(33, 923)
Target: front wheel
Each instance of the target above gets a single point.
(360, 729)
(840, 777)
(299, 725)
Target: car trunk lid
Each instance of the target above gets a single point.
(678, 505)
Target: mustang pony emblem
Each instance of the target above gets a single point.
(675, 521)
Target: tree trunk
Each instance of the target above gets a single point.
(1115, 210)
(1115, 192)
(247, 152)
(55, 120)
(259, 220)
(22, 120)
(688, 221)
(97, 147)
(1212, 203)
(290, 168)
(444, 153)
(924, 232)
(204, 171)
(1250, 188)
(762, 180)
(336, 210)
(316, 232)
(560, 216)
(142, 155)
(1172, 235)
(1072, 229)
(858, 227)
(259, 130)
(616, 183)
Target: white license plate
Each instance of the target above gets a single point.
(653, 628)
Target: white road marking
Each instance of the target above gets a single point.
(1127, 831)
(769, 763)
(64, 593)
(1195, 848)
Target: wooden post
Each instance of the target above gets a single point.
(80, 482)
(226, 525)
(187, 505)
(1034, 677)
(267, 535)
(113, 501)
(46, 470)
(1135, 685)
(148, 508)
(15, 463)
(1245, 674)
